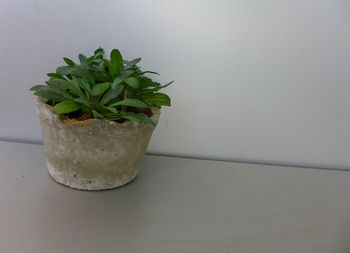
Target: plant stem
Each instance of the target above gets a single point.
(126, 95)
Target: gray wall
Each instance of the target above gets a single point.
(256, 80)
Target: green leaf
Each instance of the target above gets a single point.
(112, 109)
(138, 117)
(99, 53)
(132, 82)
(49, 94)
(75, 88)
(84, 85)
(134, 68)
(100, 88)
(69, 62)
(58, 87)
(110, 68)
(83, 101)
(55, 75)
(85, 74)
(111, 94)
(64, 70)
(161, 87)
(131, 63)
(98, 115)
(116, 62)
(100, 76)
(116, 58)
(69, 85)
(146, 92)
(150, 72)
(130, 102)
(37, 87)
(82, 58)
(122, 77)
(66, 106)
(76, 71)
(158, 99)
(145, 82)
(90, 60)
(111, 115)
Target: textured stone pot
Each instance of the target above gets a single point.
(93, 154)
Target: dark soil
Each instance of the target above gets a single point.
(80, 116)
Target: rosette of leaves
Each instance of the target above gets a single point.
(111, 89)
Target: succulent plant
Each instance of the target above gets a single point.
(111, 89)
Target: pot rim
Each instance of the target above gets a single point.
(64, 122)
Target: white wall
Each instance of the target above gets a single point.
(260, 80)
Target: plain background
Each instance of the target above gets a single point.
(260, 80)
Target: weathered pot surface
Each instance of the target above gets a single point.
(93, 154)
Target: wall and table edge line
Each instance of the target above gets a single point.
(198, 157)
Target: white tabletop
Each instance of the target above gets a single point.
(174, 206)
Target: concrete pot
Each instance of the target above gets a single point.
(93, 154)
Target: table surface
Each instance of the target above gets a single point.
(175, 205)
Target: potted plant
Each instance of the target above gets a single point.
(97, 118)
